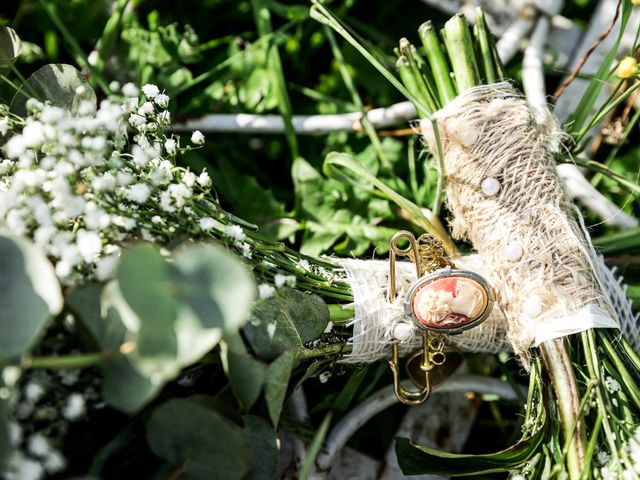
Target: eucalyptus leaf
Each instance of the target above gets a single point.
(418, 460)
(10, 46)
(286, 321)
(30, 295)
(276, 383)
(263, 446)
(146, 286)
(198, 440)
(60, 84)
(246, 375)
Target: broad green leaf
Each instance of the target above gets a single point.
(197, 439)
(286, 321)
(150, 309)
(276, 383)
(208, 273)
(10, 46)
(60, 84)
(263, 447)
(29, 295)
(158, 317)
(84, 301)
(245, 373)
(5, 445)
(417, 460)
(124, 388)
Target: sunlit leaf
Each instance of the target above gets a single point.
(30, 295)
(60, 84)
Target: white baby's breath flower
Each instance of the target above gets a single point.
(150, 90)
(137, 120)
(265, 291)
(21, 467)
(146, 108)
(54, 462)
(612, 384)
(164, 117)
(235, 232)
(162, 100)
(38, 445)
(138, 193)
(33, 391)
(130, 90)
(208, 223)
(106, 267)
(89, 245)
(324, 376)
(170, 145)
(75, 407)
(189, 179)
(204, 180)
(197, 138)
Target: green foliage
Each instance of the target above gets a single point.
(199, 442)
(60, 84)
(30, 296)
(286, 321)
(10, 46)
(158, 317)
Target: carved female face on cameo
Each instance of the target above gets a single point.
(449, 302)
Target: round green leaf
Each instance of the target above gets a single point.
(216, 291)
(10, 46)
(60, 84)
(29, 294)
(196, 438)
(263, 445)
(298, 317)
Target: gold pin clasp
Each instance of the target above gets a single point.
(442, 301)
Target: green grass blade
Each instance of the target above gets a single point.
(262, 17)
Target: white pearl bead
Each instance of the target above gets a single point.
(532, 307)
(490, 186)
(402, 331)
(513, 251)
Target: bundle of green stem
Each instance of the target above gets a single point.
(594, 402)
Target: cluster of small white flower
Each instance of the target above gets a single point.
(616, 470)
(80, 187)
(42, 398)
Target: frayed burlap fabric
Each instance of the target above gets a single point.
(505, 198)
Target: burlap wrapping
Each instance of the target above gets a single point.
(556, 287)
(552, 289)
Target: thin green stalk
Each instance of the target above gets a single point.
(262, 17)
(594, 166)
(357, 101)
(320, 13)
(461, 53)
(409, 81)
(563, 379)
(108, 37)
(603, 112)
(438, 62)
(276, 37)
(340, 314)
(63, 362)
(316, 445)
(628, 383)
(614, 152)
(325, 351)
(593, 367)
(482, 36)
(422, 75)
(76, 50)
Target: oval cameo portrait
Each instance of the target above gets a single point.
(449, 302)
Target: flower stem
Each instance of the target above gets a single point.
(437, 60)
(460, 49)
(558, 365)
(69, 361)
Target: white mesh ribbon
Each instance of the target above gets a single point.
(376, 319)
